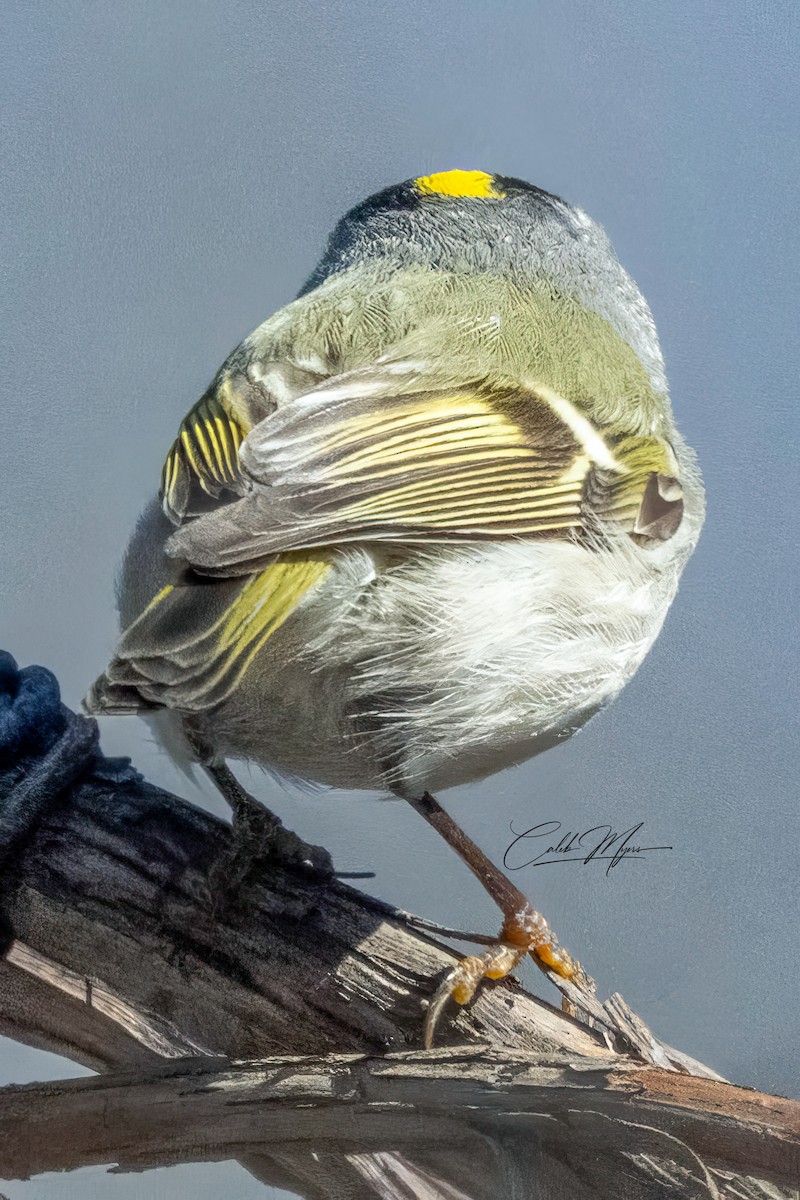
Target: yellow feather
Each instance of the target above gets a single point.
(459, 183)
(265, 602)
(223, 437)
(201, 441)
(477, 455)
(215, 446)
(414, 448)
(159, 596)
(186, 442)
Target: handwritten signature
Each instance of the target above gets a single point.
(600, 843)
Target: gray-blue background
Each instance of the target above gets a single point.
(172, 170)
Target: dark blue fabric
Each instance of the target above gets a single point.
(32, 716)
(33, 720)
(45, 751)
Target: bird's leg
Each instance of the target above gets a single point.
(524, 931)
(260, 835)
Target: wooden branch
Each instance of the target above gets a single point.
(445, 1114)
(111, 901)
(31, 1011)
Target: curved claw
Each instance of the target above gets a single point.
(461, 982)
(440, 998)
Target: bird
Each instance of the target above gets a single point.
(427, 519)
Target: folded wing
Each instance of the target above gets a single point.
(390, 453)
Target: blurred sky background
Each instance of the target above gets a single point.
(171, 174)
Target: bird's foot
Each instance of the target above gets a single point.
(461, 983)
(524, 932)
(260, 842)
(260, 839)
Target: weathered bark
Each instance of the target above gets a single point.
(452, 1114)
(111, 900)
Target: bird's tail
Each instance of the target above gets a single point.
(107, 698)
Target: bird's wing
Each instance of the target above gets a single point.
(202, 467)
(204, 458)
(193, 643)
(391, 452)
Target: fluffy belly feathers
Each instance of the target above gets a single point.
(486, 654)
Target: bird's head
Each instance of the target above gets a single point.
(472, 222)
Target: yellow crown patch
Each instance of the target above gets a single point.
(459, 183)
